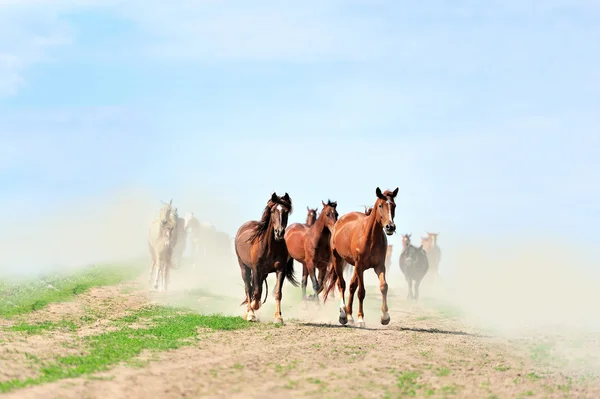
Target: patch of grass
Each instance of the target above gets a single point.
(407, 383)
(171, 328)
(501, 367)
(27, 296)
(533, 377)
(38, 328)
(443, 371)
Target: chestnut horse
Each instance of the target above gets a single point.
(311, 217)
(310, 245)
(414, 266)
(260, 250)
(359, 239)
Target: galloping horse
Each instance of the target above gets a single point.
(311, 217)
(414, 265)
(181, 242)
(162, 238)
(310, 245)
(260, 249)
(359, 239)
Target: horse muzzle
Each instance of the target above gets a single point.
(279, 234)
(390, 229)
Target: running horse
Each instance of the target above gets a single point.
(434, 253)
(260, 249)
(359, 239)
(162, 238)
(414, 265)
(310, 245)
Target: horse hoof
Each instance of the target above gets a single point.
(278, 320)
(385, 319)
(343, 319)
(360, 324)
(250, 317)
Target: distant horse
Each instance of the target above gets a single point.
(434, 253)
(414, 266)
(202, 239)
(181, 243)
(359, 239)
(310, 245)
(311, 217)
(260, 249)
(388, 256)
(162, 237)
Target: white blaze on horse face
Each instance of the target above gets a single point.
(390, 210)
(280, 209)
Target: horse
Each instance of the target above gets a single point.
(414, 265)
(181, 243)
(434, 253)
(260, 249)
(311, 217)
(202, 239)
(162, 237)
(388, 256)
(359, 239)
(310, 245)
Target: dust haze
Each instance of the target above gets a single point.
(542, 287)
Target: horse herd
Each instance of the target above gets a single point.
(327, 246)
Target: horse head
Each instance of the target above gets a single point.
(386, 209)
(330, 213)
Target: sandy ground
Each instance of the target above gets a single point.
(426, 351)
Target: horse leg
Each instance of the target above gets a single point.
(257, 282)
(278, 289)
(352, 290)
(304, 280)
(361, 295)
(310, 266)
(417, 283)
(383, 287)
(410, 289)
(338, 269)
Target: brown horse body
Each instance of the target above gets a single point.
(310, 245)
(358, 238)
(261, 249)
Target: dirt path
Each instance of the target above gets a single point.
(422, 353)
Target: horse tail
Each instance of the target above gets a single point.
(329, 281)
(289, 272)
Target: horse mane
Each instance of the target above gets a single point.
(261, 227)
(331, 203)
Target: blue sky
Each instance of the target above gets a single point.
(485, 114)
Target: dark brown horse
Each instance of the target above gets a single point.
(261, 249)
(414, 266)
(311, 217)
(310, 245)
(359, 239)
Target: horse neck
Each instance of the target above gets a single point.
(319, 224)
(373, 225)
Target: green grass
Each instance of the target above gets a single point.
(22, 297)
(38, 328)
(170, 328)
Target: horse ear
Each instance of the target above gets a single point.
(409, 234)
(334, 204)
(395, 192)
(307, 208)
(324, 204)
(286, 196)
(378, 193)
(274, 197)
